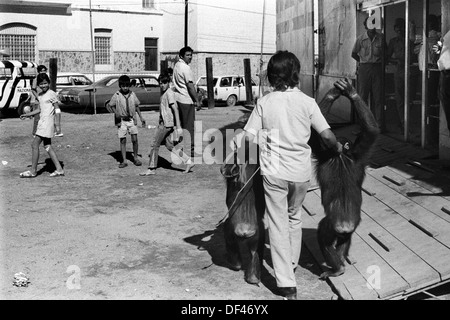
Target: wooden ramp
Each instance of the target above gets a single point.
(402, 245)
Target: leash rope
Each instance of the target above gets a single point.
(235, 199)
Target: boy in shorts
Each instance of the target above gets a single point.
(125, 105)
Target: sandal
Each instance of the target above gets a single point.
(188, 168)
(123, 165)
(27, 174)
(57, 174)
(148, 173)
(137, 163)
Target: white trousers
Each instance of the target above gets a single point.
(284, 201)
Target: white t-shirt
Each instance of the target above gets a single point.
(182, 75)
(283, 121)
(444, 59)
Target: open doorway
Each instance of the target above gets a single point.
(411, 97)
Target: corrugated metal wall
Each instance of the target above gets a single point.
(295, 21)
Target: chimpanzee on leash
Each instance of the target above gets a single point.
(340, 177)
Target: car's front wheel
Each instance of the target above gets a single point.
(231, 101)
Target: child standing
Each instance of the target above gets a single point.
(169, 128)
(282, 121)
(34, 103)
(126, 105)
(48, 104)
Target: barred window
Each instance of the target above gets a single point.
(102, 43)
(102, 50)
(148, 4)
(20, 40)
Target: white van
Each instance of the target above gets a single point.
(15, 84)
(230, 89)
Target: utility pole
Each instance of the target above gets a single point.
(261, 61)
(93, 56)
(186, 5)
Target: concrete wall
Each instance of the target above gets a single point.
(232, 26)
(68, 38)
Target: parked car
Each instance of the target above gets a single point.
(71, 79)
(15, 84)
(146, 88)
(229, 89)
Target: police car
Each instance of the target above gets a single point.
(15, 85)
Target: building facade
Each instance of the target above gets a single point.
(226, 31)
(124, 40)
(141, 36)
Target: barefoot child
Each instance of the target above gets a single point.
(46, 109)
(169, 129)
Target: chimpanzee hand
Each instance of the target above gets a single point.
(345, 87)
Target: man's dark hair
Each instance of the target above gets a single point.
(399, 23)
(164, 78)
(433, 23)
(184, 50)
(283, 70)
(124, 80)
(41, 68)
(42, 77)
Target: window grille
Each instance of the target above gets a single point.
(102, 50)
(148, 4)
(20, 39)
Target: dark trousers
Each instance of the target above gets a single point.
(187, 118)
(445, 94)
(369, 87)
(162, 134)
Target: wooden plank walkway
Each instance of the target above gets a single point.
(404, 235)
(387, 150)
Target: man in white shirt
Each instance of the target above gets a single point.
(185, 95)
(444, 66)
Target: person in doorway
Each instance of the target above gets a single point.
(396, 56)
(434, 35)
(368, 52)
(186, 97)
(442, 48)
(126, 105)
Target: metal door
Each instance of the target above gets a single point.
(295, 33)
(337, 35)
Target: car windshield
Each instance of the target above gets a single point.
(63, 81)
(202, 82)
(111, 82)
(73, 80)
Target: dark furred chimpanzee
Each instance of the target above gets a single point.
(244, 224)
(340, 177)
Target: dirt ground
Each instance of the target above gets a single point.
(102, 232)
